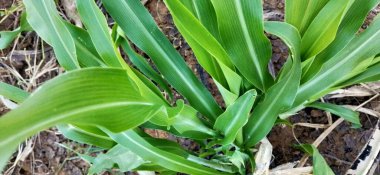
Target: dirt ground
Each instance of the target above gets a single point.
(46, 156)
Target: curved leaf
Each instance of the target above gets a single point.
(242, 32)
(145, 150)
(6, 37)
(323, 29)
(98, 30)
(77, 97)
(281, 95)
(343, 112)
(320, 166)
(13, 93)
(362, 47)
(141, 29)
(45, 20)
(348, 28)
(235, 117)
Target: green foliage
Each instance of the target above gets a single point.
(105, 102)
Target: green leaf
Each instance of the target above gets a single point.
(144, 66)
(82, 136)
(340, 111)
(235, 117)
(281, 95)
(124, 158)
(241, 28)
(362, 47)
(184, 119)
(369, 75)
(348, 28)
(300, 13)
(86, 52)
(205, 46)
(6, 37)
(320, 166)
(141, 29)
(77, 97)
(98, 30)
(145, 150)
(13, 93)
(323, 29)
(45, 20)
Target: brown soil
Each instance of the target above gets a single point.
(340, 148)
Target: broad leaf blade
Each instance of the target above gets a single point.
(360, 48)
(98, 30)
(141, 29)
(348, 28)
(300, 13)
(77, 97)
(235, 117)
(343, 112)
(323, 29)
(45, 20)
(281, 95)
(242, 32)
(144, 66)
(86, 52)
(144, 149)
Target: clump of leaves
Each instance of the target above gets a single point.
(103, 101)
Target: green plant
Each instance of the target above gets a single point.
(103, 101)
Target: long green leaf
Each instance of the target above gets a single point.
(97, 27)
(82, 136)
(340, 111)
(348, 28)
(13, 93)
(86, 52)
(144, 66)
(371, 74)
(360, 48)
(300, 13)
(235, 117)
(320, 166)
(206, 48)
(45, 20)
(144, 149)
(141, 29)
(281, 95)
(242, 32)
(77, 97)
(323, 29)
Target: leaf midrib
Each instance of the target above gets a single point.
(62, 116)
(248, 40)
(73, 58)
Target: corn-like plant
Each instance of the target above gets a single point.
(103, 101)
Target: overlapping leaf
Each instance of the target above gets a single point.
(241, 28)
(45, 20)
(281, 95)
(235, 117)
(141, 29)
(145, 150)
(348, 28)
(360, 48)
(77, 97)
